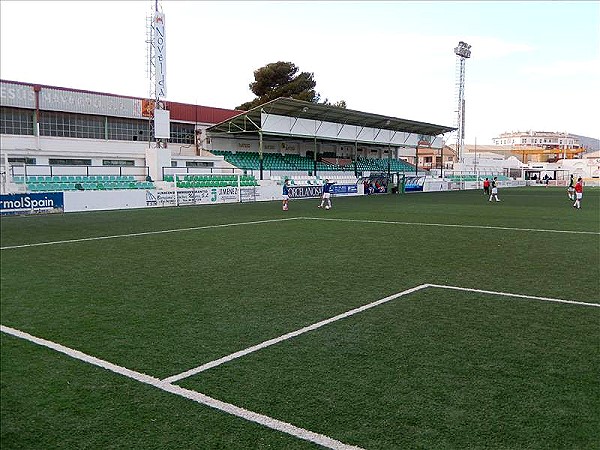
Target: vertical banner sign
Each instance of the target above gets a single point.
(160, 53)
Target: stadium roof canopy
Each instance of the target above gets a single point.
(250, 121)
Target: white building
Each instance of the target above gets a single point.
(542, 139)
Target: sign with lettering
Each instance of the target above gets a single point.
(17, 95)
(54, 99)
(197, 196)
(305, 191)
(160, 55)
(341, 189)
(88, 103)
(32, 203)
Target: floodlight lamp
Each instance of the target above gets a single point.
(463, 50)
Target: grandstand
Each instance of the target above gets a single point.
(291, 162)
(56, 139)
(81, 183)
(200, 181)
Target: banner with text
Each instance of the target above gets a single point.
(43, 202)
(317, 191)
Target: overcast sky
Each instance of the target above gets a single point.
(534, 65)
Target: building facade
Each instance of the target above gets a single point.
(540, 146)
(53, 126)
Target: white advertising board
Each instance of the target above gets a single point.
(104, 200)
(162, 124)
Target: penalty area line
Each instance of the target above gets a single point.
(285, 337)
(198, 397)
(147, 233)
(508, 294)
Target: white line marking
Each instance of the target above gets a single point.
(146, 233)
(333, 219)
(198, 397)
(268, 343)
(287, 336)
(507, 294)
(251, 416)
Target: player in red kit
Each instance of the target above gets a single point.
(578, 193)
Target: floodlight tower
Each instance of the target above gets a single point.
(156, 71)
(462, 52)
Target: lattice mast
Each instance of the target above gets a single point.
(462, 52)
(155, 69)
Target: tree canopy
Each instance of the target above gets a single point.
(281, 79)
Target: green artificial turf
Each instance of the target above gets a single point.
(435, 369)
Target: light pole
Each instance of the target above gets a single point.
(463, 52)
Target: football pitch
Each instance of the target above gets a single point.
(436, 320)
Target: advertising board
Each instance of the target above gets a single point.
(40, 202)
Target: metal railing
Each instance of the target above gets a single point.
(47, 170)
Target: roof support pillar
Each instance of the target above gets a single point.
(260, 152)
(417, 159)
(355, 158)
(389, 161)
(315, 156)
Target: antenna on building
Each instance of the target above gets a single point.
(462, 52)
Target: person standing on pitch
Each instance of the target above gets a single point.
(285, 194)
(578, 193)
(486, 186)
(326, 197)
(494, 189)
(571, 188)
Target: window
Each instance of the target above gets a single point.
(69, 162)
(198, 164)
(128, 129)
(30, 161)
(428, 159)
(16, 121)
(118, 162)
(71, 125)
(182, 133)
